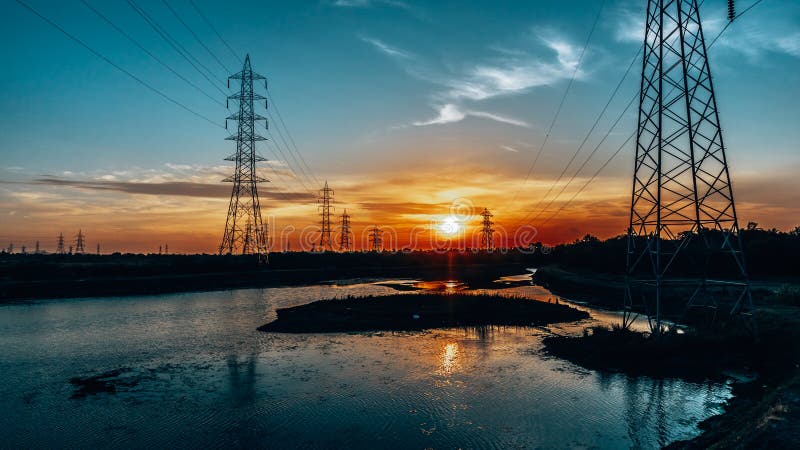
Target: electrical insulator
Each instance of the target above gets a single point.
(731, 10)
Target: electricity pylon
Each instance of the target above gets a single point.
(60, 246)
(344, 239)
(683, 223)
(376, 239)
(487, 232)
(80, 242)
(245, 207)
(325, 201)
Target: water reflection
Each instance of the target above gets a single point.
(483, 387)
(242, 379)
(450, 361)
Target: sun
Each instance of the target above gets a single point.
(449, 226)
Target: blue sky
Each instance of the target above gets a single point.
(371, 89)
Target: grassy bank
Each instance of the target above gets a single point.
(410, 312)
(59, 276)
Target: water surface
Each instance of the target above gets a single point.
(197, 373)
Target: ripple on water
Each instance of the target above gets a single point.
(208, 378)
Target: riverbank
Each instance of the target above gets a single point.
(764, 413)
(413, 312)
(27, 277)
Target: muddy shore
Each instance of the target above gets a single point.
(412, 312)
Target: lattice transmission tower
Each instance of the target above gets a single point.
(345, 245)
(684, 251)
(325, 206)
(60, 247)
(244, 227)
(376, 239)
(80, 242)
(487, 232)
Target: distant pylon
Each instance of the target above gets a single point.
(376, 239)
(487, 232)
(344, 239)
(60, 246)
(683, 222)
(245, 206)
(98, 248)
(325, 201)
(37, 248)
(80, 242)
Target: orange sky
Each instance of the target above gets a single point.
(185, 207)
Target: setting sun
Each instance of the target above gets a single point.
(449, 226)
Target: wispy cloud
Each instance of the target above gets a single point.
(368, 3)
(507, 72)
(510, 75)
(168, 188)
(386, 48)
(509, 148)
(747, 35)
(451, 113)
(413, 10)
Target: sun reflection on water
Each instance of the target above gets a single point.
(450, 359)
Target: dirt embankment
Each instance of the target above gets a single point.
(409, 312)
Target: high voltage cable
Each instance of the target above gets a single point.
(586, 160)
(301, 163)
(585, 139)
(186, 54)
(177, 16)
(167, 66)
(116, 66)
(605, 164)
(297, 163)
(150, 54)
(280, 117)
(126, 72)
(596, 173)
(561, 103)
(214, 56)
(210, 25)
(175, 45)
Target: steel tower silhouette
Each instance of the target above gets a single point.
(60, 246)
(344, 239)
(376, 239)
(683, 224)
(244, 228)
(487, 233)
(80, 242)
(325, 201)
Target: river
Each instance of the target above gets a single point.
(194, 372)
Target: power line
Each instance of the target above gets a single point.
(301, 163)
(194, 62)
(116, 66)
(585, 139)
(280, 134)
(561, 103)
(210, 25)
(297, 163)
(280, 117)
(177, 16)
(614, 155)
(150, 54)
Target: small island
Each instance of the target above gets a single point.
(413, 312)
